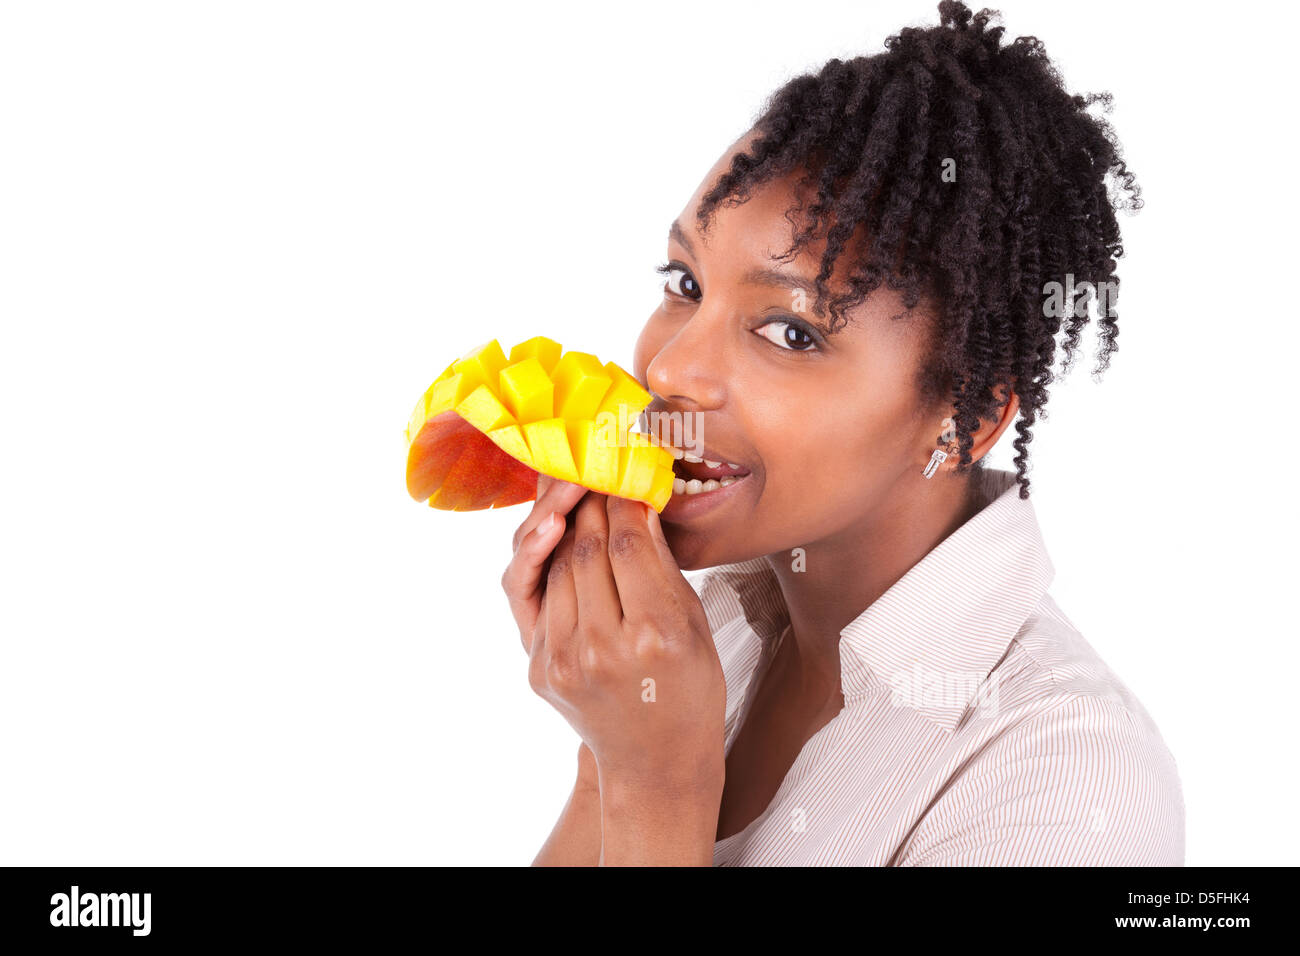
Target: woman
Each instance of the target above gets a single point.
(861, 296)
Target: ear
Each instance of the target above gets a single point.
(990, 430)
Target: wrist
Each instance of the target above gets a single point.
(698, 782)
(656, 821)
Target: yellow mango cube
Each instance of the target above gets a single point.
(539, 347)
(449, 393)
(482, 409)
(661, 488)
(580, 384)
(637, 461)
(624, 390)
(448, 372)
(419, 415)
(548, 444)
(595, 458)
(527, 391)
(480, 366)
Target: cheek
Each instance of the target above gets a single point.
(827, 452)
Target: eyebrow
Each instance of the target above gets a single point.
(675, 231)
(755, 276)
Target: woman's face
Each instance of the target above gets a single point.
(831, 429)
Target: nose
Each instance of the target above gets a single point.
(688, 370)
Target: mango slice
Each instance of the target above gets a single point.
(485, 428)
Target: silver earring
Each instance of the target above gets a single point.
(937, 458)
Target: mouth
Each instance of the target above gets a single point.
(702, 474)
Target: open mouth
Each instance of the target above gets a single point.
(696, 475)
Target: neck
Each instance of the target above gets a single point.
(844, 574)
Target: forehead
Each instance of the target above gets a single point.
(758, 223)
(753, 235)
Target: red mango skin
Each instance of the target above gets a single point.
(463, 469)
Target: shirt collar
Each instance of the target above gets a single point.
(935, 635)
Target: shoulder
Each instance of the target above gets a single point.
(1066, 768)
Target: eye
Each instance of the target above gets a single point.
(680, 281)
(794, 337)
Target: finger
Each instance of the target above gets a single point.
(523, 577)
(593, 577)
(552, 495)
(535, 645)
(661, 540)
(639, 569)
(542, 506)
(562, 603)
(687, 597)
(538, 512)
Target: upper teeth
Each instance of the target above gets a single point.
(679, 454)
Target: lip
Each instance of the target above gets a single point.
(683, 508)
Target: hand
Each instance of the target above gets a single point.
(621, 646)
(575, 840)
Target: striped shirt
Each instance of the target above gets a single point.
(978, 728)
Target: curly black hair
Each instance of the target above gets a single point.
(980, 182)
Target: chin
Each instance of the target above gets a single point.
(689, 551)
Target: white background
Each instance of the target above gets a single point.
(237, 240)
